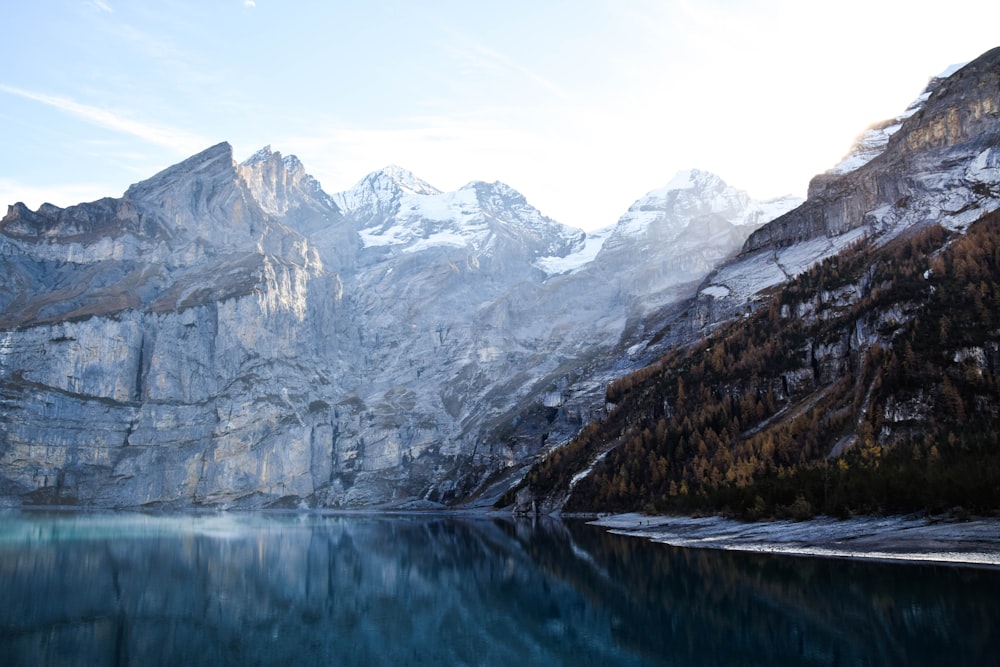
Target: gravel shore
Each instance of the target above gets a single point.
(918, 539)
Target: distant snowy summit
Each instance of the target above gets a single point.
(693, 209)
(378, 194)
(692, 199)
(692, 194)
(398, 211)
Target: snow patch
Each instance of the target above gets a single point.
(583, 473)
(592, 245)
(716, 291)
(445, 238)
(951, 69)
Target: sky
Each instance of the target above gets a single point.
(581, 105)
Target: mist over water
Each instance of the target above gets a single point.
(409, 590)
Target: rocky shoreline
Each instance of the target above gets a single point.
(947, 541)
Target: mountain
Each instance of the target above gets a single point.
(846, 360)
(228, 334)
(399, 213)
(692, 199)
(678, 233)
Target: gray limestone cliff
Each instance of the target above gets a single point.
(230, 335)
(939, 164)
(156, 348)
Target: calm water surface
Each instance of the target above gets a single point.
(282, 589)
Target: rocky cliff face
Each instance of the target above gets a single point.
(937, 163)
(159, 348)
(229, 334)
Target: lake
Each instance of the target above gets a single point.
(310, 589)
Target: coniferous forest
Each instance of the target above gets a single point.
(867, 384)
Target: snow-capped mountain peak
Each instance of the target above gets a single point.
(377, 196)
(395, 208)
(685, 179)
(509, 206)
(692, 194)
(692, 212)
(407, 181)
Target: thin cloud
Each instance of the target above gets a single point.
(178, 141)
(249, 3)
(485, 57)
(101, 5)
(181, 66)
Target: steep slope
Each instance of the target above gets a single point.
(158, 348)
(856, 390)
(830, 371)
(940, 164)
(936, 163)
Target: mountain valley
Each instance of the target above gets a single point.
(229, 335)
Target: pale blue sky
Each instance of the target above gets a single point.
(582, 105)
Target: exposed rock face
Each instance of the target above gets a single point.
(938, 167)
(938, 162)
(165, 357)
(229, 334)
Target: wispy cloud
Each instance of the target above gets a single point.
(177, 140)
(101, 5)
(482, 56)
(249, 3)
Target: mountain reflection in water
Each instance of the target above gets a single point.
(417, 589)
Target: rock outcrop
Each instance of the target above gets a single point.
(937, 163)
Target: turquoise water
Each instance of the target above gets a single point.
(270, 589)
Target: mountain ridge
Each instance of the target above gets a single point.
(227, 334)
(251, 340)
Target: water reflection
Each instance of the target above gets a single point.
(409, 590)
